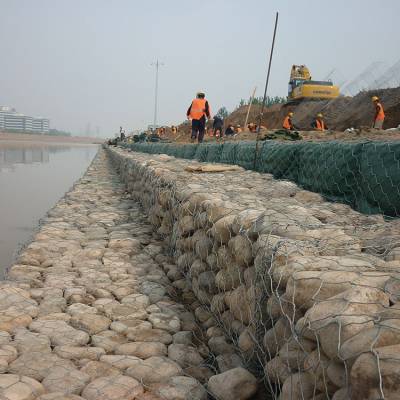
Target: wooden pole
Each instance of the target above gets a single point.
(265, 90)
(248, 109)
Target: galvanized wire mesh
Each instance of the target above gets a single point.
(303, 290)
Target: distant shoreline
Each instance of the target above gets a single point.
(24, 137)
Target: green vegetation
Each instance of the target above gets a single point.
(222, 112)
(270, 101)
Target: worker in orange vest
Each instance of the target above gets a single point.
(319, 123)
(287, 122)
(379, 113)
(197, 112)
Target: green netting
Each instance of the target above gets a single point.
(380, 178)
(331, 168)
(364, 175)
(278, 159)
(228, 153)
(189, 151)
(214, 152)
(201, 152)
(245, 153)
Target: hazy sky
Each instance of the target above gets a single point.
(88, 61)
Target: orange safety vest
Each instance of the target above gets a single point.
(320, 125)
(381, 115)
(286, 123)
(198, 108)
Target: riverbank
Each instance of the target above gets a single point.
(32, 138)
(88, 310)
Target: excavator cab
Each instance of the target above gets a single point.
(302, 87)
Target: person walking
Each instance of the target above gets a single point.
(379, 113)
(288, 123)
(198, 110)
(122, 133)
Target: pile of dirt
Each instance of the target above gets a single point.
(340, 113)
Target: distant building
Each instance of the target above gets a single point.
(11, 120)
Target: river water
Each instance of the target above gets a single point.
(33, 177)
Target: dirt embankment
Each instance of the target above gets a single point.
(340, 114)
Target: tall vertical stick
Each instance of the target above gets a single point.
(248, 110)
(157, 64)
(265, 91)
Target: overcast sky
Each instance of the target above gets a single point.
(88, 61)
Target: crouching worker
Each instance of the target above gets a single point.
(288, 123)
(319, 124)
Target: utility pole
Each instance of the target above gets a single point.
(156, 64)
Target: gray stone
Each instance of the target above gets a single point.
(237, 383)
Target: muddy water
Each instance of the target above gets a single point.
(33, 177)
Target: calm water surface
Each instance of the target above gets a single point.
(33, 177)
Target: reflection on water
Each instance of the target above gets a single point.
(33, 177)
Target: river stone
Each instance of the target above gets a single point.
(90, 323)
(136, 299)
(169, 323)
(38, 365)
(180, 388)
(79, 308)
(218, 345)
(17, 387)
(387, 333)
(68, 381)
(5, 338)
(59, 396)
(371, 371)
(98, 369)
(113, 388)
(149, 335)
(141, 349)
(154, 370)
(13, 318)
(183, 337)
(228, 361)
(18, 299)
(184, 355)
(108, 340)
(27, 341)
(78, 353)
(60, 333)
(153, 290)
(121, 362)
(237, 383)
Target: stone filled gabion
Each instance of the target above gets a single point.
(301, 292)
(97, 308)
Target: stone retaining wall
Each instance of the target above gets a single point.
(88, 311)
(305, 291)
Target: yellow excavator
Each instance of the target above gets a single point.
(303, 87)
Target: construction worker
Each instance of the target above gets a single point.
(218, 126)
(287, 122)
(379, 113)
(319, 124)
(198, 110)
